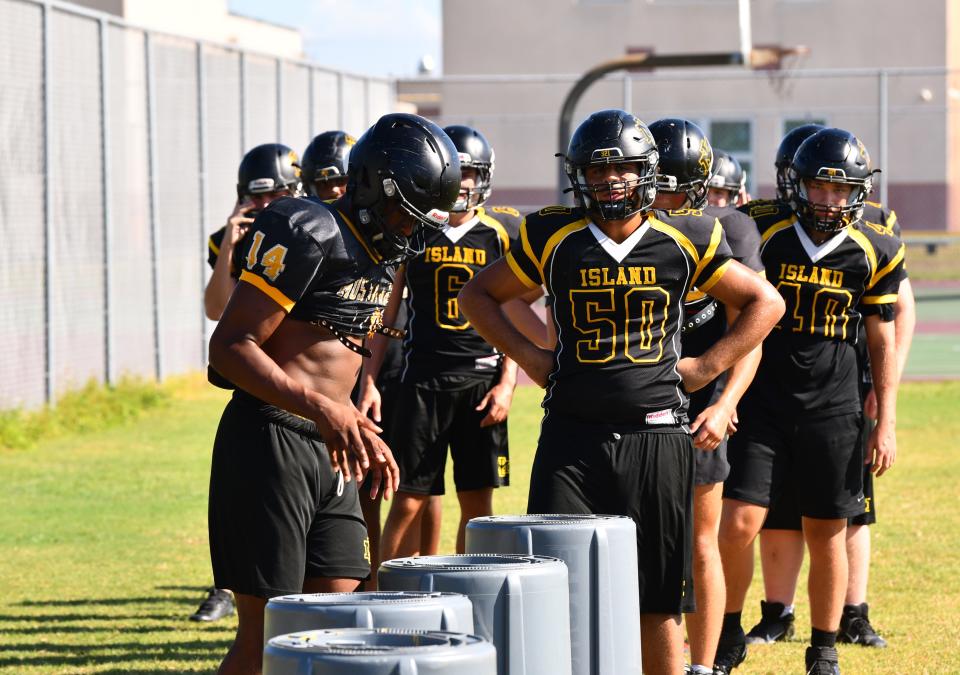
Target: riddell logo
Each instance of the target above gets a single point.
(438, 216)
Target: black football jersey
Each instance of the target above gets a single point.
(213, 252)
(809, 361)
(618, 308)
(315, 263)
(744, 241)
(439, 338)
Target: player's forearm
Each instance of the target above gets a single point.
(881, 343)
(486, 315)
(527, 321)
(508, 372)
(904, 323)
(219, 287)
(244, 363)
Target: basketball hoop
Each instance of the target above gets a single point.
(779, 63)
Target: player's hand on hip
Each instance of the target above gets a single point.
(710, 426)
(538, 366)
(882, 448)
(497, 403)
(870, 407)
(693, 373)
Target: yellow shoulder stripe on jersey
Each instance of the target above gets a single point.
(715, 277)
(879, 299)
(677, 236)
(495, 225)
(275, 294)
(715, 237)
(557, 237)
(213, 247)
(867, 247)
(892, 219)
(518, 272)
(880, 274)
(376, 257)
(525, 244)
(777, 227)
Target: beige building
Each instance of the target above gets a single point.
(205, 20)
(887, 70)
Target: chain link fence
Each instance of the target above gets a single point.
(120, 148)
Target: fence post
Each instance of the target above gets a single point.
(154, 206)
(627, 93)
(884, 91)
(279, 101)
(204, 203)
(311, 112)
(341, 114)
(366, 102)
(243, 105)
(49, 380)
(106, 180)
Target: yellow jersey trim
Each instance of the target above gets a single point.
(374, 256)
(518, 272)
(715, 237)
(777, 227)
(275, 294)
(889, 266)
(879, 299)
(867, 247)
(556, 238)
(892, 219)
(715, 277)
(213, 247)
(677, 236)
(494, 225)
(527, 248)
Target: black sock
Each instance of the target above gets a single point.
(823, 638)
(731, 623)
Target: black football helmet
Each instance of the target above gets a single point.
(474, 152)
(406, 159)
(326, 158)
(727, 174)
(685, 159)
(268, 168)
(786, 151)
(835, 156)
(612, 137)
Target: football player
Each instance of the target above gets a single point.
(266, 173)
(727, 185)
(801, 418)
(781, 540)
(291, 447)
(614, 438)
(324, 165)
(685, 165)
(455, 389)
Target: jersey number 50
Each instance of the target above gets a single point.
(639, 316)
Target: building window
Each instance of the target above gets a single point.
(735, 137)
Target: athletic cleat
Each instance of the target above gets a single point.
(731, 652)
(218, 604)
(773, 626)
(822, 661)
(855, 627)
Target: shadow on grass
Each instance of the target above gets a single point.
(91, 634)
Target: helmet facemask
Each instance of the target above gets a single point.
(470, 198)
(823, 217)
(597, 198)
(695, 191)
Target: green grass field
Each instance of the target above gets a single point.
(103, 548)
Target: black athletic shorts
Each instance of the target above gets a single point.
(784, 513)
(820, 458)
(712, 465)
(646, 475)
(427, 418)
(278, 513)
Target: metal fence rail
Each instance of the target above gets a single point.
(120, 150)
